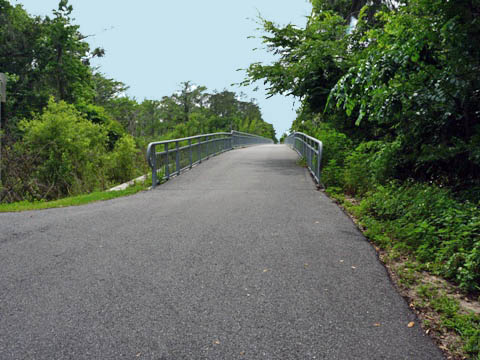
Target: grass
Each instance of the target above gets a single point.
(73, 200)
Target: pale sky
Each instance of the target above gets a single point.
(154, 45)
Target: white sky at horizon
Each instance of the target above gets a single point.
(153, 45)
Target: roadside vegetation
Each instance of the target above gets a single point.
(73, 200)
(392, 88)
(69, 130)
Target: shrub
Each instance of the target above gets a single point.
(69, 150)
(441, 231)
(358, 177)
(370, 164)
(98, 115)
(336, 146)
(123, 160)
(332, 174)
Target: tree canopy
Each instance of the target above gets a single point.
(408, 73)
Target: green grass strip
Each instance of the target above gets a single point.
(72, 201)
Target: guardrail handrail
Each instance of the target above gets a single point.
(308, 148)
(183, 157)
(247, 134)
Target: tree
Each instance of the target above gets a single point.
(418, 81)
(19, 35)
(150, 119)
(65, 56)
(126, 111)
(190, 97)
(106, 89)
(43, 57)
(407, 75)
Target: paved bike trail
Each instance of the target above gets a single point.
(239, 258)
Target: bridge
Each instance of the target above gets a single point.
(238, 258)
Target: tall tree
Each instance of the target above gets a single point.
(19, 36)
(43, 57)
(65, 56)
(189, 97)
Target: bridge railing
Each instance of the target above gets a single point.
(308, 148)
(170, 157)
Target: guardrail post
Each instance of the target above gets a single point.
(310, 155)
(206, 146)
(190, 152)
(319, 161)
(303, 151)
(177, 159)
(167, 163)
(199, 150)
(154, 167)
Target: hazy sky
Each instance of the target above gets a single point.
(154, 45)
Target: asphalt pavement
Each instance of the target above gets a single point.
(239, 258)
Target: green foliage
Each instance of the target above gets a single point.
(333, 174)
(418, 81)
(44, 57)
(98, 115)
(123, 159)
(369, 164)
(336, 147)
(190, 111)
(442, 232)
(63, 56)
(106, 89)
(408, 75)
(310, 61)
(19, 34)
(70, 150)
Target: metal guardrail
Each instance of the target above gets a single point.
(310, 149)
(177, 155)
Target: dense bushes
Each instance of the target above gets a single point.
(335, 149)
(123, 160)
(438, 227)
(64, 153)
(70, 150)
(370, 163)
(443, 233)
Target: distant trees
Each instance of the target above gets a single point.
(189, 111)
